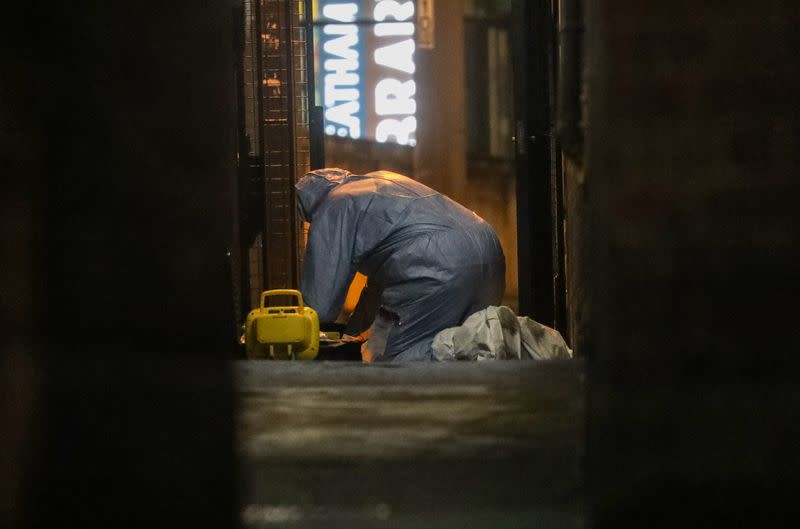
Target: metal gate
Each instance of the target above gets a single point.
(276, 91)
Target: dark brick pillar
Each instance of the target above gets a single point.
(118, 156)
(690, 186)
(690, 189)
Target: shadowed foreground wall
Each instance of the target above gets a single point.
(688, 209)
(118, 154)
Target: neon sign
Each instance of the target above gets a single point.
(369, 94)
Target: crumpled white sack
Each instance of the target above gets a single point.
(496, 333)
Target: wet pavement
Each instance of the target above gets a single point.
(341, 444)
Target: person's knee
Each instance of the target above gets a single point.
(420, 351)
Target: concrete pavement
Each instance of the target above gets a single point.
(341, 444)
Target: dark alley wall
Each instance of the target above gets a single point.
(118, 154)
(687, 227)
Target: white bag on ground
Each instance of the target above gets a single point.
(496, 333)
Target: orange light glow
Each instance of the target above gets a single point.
(359, 281)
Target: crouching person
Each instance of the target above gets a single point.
(429, 261)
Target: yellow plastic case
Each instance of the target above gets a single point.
(282, 333)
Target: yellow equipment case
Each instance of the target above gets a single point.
(282, 333)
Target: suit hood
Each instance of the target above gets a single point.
(315, 186)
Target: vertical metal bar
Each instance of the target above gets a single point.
(239, 265)
(520, 52)
(559, 266)
(569, 106)
(263, 140)
(310, 73)
(316, 119)
(532, 73)
(316, 128)
(557, 187)
(292, 94)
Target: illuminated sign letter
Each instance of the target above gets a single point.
(345, 115)
(394, 97)
(398, 56)
(396, 10)
(342, 46)
(390, 29)
(399, 129)
(341, 12)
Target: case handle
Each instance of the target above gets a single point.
(282, 292)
